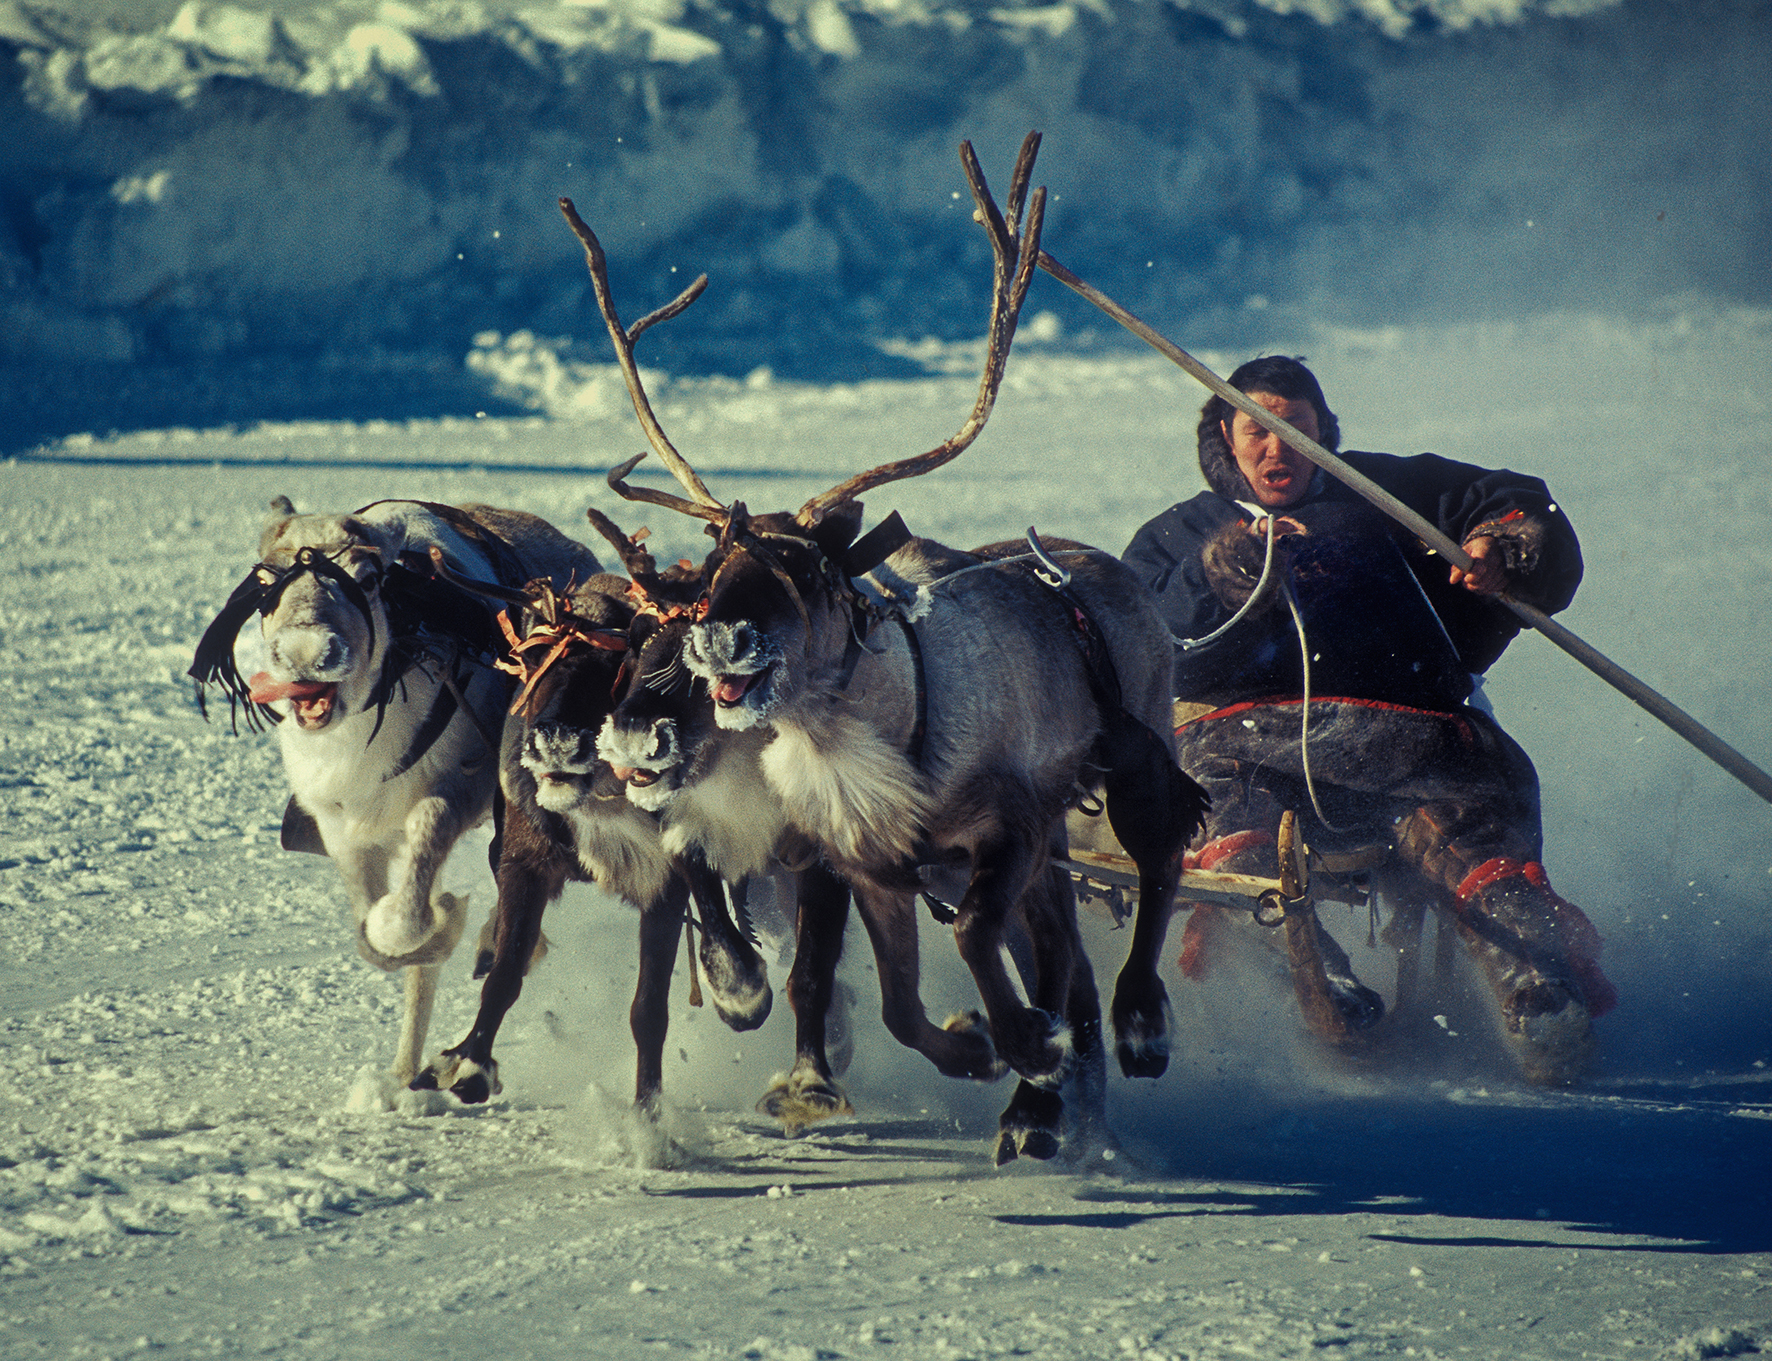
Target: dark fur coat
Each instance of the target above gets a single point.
(1382, 619)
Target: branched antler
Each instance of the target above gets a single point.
(1013, 270)
(624, 338)
(652, 496)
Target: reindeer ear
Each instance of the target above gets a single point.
(837, 530)
(378, 538)
(738, 523)
(282, 511)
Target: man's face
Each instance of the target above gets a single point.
(1279, 474)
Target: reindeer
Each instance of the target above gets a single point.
(950, 737)
(389, 739)
(566, 819)
(706, 786)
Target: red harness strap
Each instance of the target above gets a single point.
(1577, 931)
(1215, 853)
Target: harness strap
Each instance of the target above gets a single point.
(442, 711)
(1098, 662)
(874, 547)
(1215, 853)
(919, 733)
(852, 658)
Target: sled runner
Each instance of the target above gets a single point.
(1335, 1006)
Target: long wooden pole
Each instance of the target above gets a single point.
(1602, 666)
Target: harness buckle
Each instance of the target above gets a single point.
(1051, 573)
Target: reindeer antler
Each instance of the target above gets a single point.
(702, 500)
(617, 480)
(1014, 269)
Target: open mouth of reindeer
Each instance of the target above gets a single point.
(643, 759)
(311, 703)
(731, 688)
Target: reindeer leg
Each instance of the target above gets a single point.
(737, 977)
(1062, 984)
(1034, 1040)
(1141, 1002)
(810, 1092)
(405, 926)
(1154, 809)
(649, 1018)
(415, 1019)
(531, 874)
(961, 1048)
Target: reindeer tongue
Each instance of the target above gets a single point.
(730, 689)
(263, 689)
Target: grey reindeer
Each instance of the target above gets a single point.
(387, 706)
(944, 742)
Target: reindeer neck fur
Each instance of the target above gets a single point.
(839, 762)
(618, 845)
(338, 773)
(724, 809)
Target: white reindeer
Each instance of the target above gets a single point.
(391, 711)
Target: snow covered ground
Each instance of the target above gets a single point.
(184, 1017)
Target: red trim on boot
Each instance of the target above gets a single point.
(1573, 925)
(1286, 701)
(1488, 873)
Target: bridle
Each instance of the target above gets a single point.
(260, 592)
(560, 631)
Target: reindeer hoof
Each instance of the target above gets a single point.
(1029, 1124)
(1141, 1047)
(1549, 1031)
(743, 1013)
(475, 1089)
(469, 1082)
(1141, 1037)
(738, 984)
(978, 1058)
(1039, 1144)
(1005, 1152)
(395, 946)
(798, 1104)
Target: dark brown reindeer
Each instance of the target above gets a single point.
(953, 743)
(566, 819)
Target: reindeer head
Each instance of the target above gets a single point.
(325, 628)
(569, 652)
(664, 714)
(773, 611)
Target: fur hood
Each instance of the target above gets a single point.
(1218, 466)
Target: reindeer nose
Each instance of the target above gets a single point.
(744, 641)
(310, 652)
(558, 743)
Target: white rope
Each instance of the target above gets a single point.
(1267, 564)
(1304, 731)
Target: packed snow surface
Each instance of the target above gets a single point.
(188, 1168)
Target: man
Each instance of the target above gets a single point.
(1357, 627)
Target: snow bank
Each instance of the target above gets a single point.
(277, 201)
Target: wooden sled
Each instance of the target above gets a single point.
(1106, 880)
